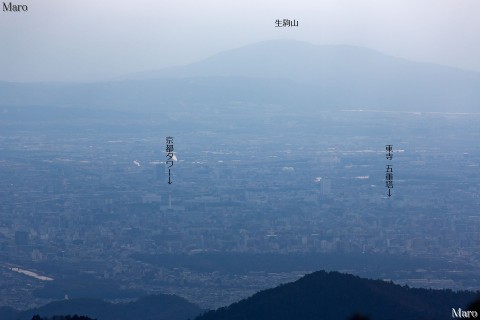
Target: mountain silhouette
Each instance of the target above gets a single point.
(156, 307)
(316, 296)
(280, 72)
(332, 295)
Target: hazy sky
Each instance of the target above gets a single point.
(86, 40)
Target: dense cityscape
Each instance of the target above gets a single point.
(93, 200)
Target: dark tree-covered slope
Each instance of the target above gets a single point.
(157, 307)
(333, 295)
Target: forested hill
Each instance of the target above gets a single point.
(333, 295)
(156, 307)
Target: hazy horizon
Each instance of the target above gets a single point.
(88, 41)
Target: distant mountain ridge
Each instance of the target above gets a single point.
(295, 60)
(280, 59)
(280, 72)
(332, 295)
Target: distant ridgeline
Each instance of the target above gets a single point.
(282, 73)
